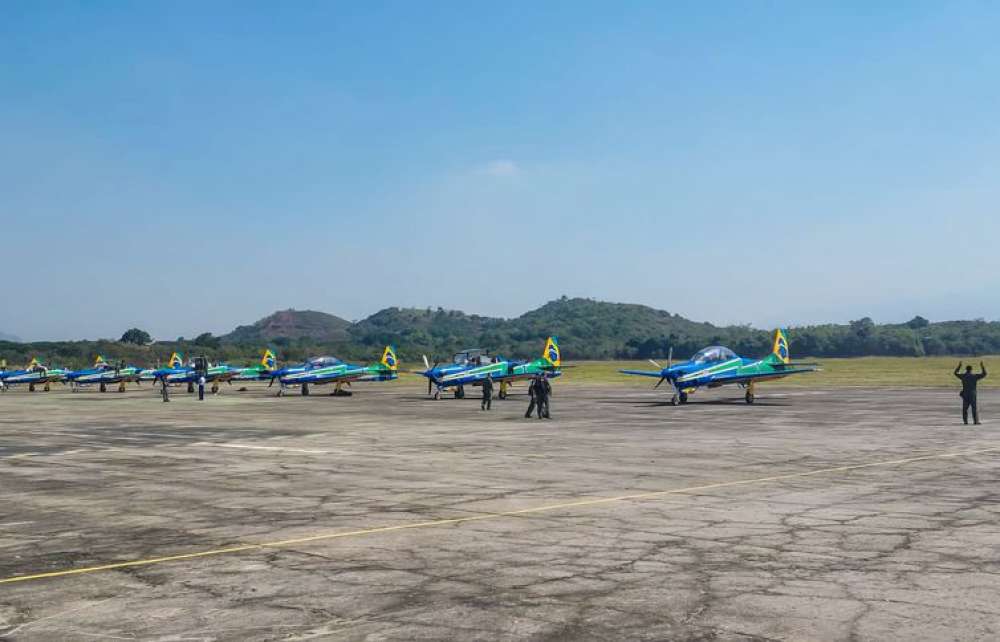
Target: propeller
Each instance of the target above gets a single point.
(670, 362)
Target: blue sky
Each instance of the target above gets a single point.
(189, 166)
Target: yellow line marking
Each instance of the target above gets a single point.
(476, 518)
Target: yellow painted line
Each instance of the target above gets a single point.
(242, 548)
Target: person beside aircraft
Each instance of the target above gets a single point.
(487, 393)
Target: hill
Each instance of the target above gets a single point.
(587, 329)
(292, 324)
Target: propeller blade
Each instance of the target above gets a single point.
(656, 364)
(271, 383)
(427, 364)
(670, 357)
(429, 384)
(658, 383)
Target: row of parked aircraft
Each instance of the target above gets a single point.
(470, 368)
(710, 367)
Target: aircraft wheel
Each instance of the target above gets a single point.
(305, 390)
(673, 400)
(437, 394)
(460, 392)
(121, 387)
(46, 388)
(749, 397)
(215, 388)
(103, 388)
(281, 392)
(31, 387)
(683, 397)
(190, 387)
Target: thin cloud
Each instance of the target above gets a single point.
(500, 167)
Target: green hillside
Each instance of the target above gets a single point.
(587, 329)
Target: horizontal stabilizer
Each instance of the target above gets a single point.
(745, 378)
(643, 373)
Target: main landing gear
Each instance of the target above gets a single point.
(103, 387)
(460, 392)
(749, 397)
(680, 397)
(305, 390)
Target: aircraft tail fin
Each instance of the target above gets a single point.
(175, 361)
(99, 361)
(779, 351)
(268, 360)
(552, 353)
(389, 358)
(35, 363)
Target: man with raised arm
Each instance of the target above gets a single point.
(969, 380)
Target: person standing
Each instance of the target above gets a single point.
(969, 380)
(487, 393)
(201, 388)
(544, 391)
(533, 395)
(164, 392)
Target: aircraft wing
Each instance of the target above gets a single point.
(744, 378)
(643, 373)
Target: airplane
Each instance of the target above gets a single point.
(464, 360)
(153, 374)
(103, 373)
(716, 366)
(502, 371)
(332, 370)
(263, 370)
(34, 373)
(177, 372)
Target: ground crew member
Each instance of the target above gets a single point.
(968, 394)
(201, 388)
(487, 393)
(164, 392)
(532, 394)
(539, 391)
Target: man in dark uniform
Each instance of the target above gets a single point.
(533, 392)
(487, 393)
(968, 394)
(546, 393)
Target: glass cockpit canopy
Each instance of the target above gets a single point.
(323, 362)
(713, 354)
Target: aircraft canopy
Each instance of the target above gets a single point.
(712, 354)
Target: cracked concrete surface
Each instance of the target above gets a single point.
(905, 551)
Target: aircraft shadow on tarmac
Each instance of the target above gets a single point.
(708, 402)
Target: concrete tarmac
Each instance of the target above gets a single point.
(826, 514)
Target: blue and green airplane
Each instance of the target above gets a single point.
(331, 370)
(502, 371)
(717, 366)
(264, 369)
(179, 372)
(33, 374)
(102, 373)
